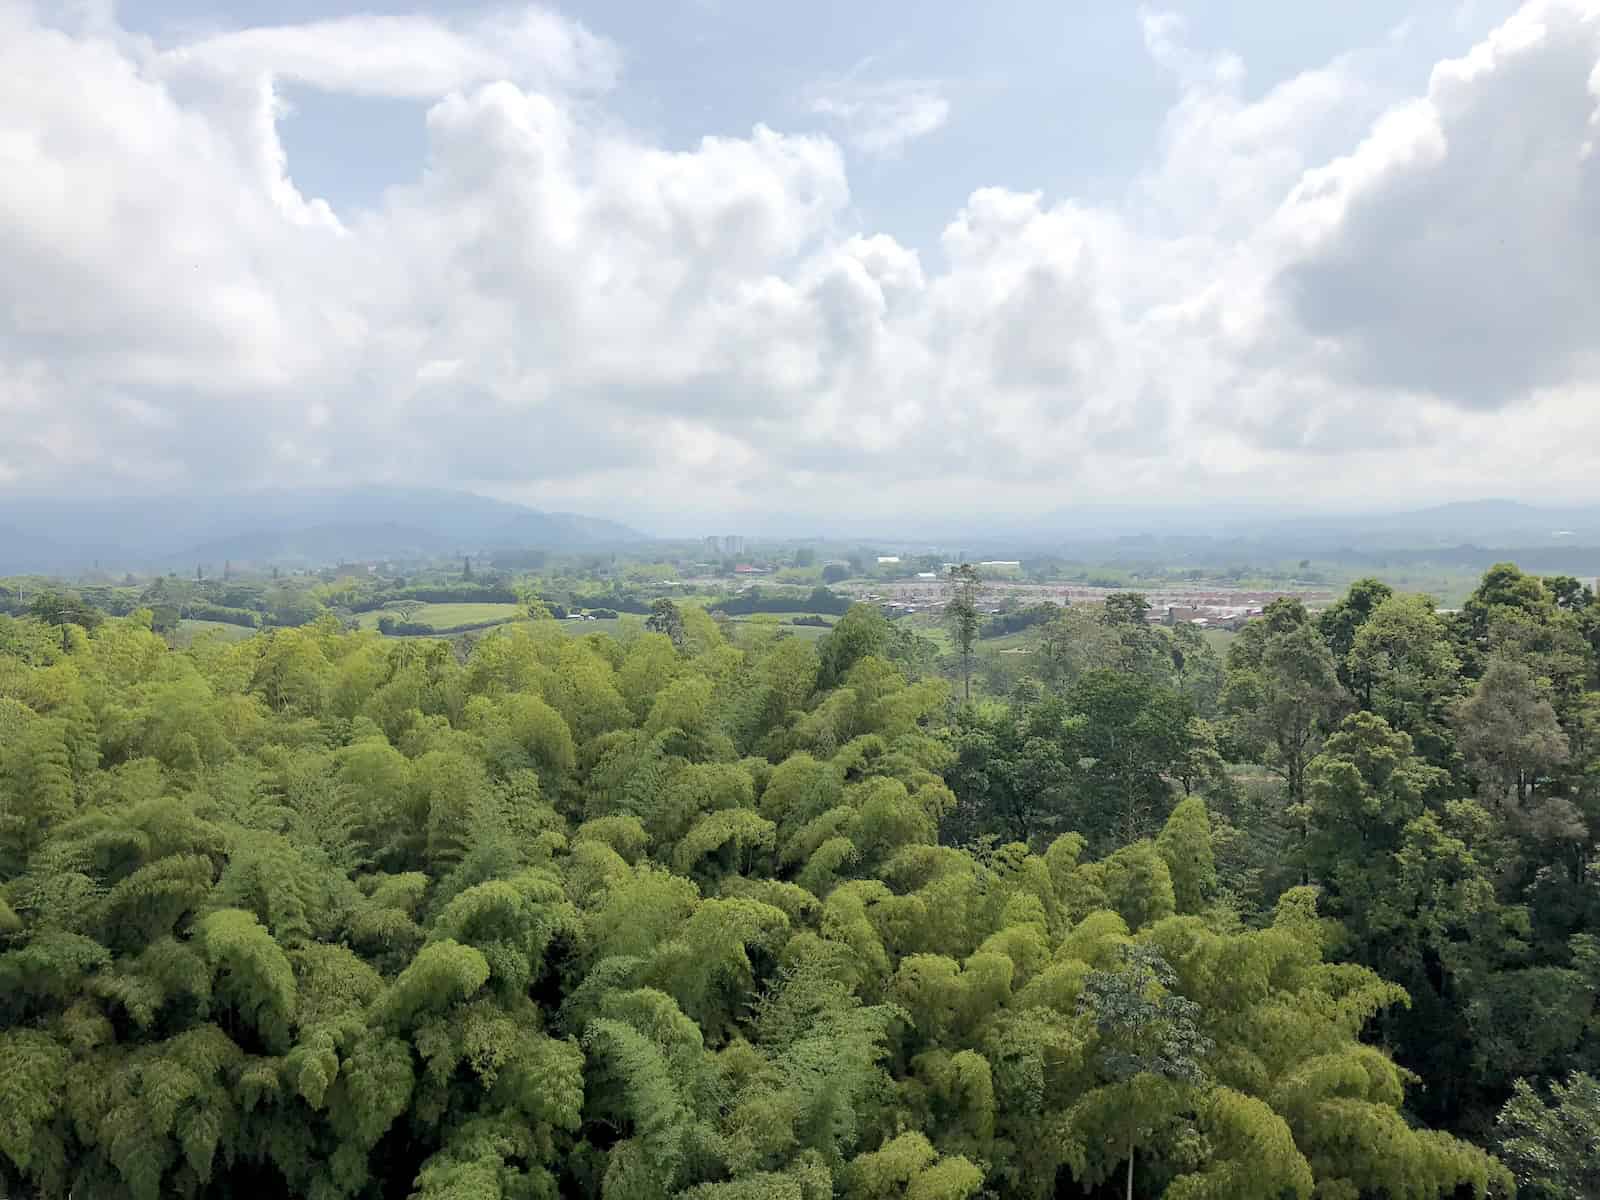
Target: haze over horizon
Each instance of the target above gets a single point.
(80, 527)
(683, 264)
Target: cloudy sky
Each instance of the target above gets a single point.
(666, 260)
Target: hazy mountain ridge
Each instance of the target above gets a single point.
(1485, 523)
(282, 527)
(1206, 522)
(64, 534)
(324, 543)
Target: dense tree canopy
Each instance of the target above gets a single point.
(323, 914)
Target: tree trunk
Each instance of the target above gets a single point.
(1130, 1167)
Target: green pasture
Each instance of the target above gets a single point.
(446, 616)
(188, 631)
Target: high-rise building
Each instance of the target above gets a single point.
(733, 544)
(713, 545)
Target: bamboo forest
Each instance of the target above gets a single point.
(327, 914)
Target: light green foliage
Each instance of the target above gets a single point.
(801, 790)
(442, 974)
(1185, 846)
(685, 708)
(707, 965)
(737, 831)
(35, 780)
(861, 632)
(635, 1082)
(33, 1068)
(1551, 1146)
(253, 973)
(1253, 1155)
(638, 909)
(330, 915)
(525, 731)
(624, 834)
(1138, 884)
(693, 792)
(510, 922)
(809, 1179)
(910, 1167)
(583, 689)
(292, 673)
(651, 663)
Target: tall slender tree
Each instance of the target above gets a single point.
(961, 615)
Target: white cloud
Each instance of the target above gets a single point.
(1456, 251)
(415, 56)
(1327, 288)
(1227, 160)
(881, 118)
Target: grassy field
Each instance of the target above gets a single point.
(1011, 643)
(939, 633)
(769, 622)
(808, 633)
(1448, 586)
(1025, 640)
(187, 631)
(616, 628)
(446, 616)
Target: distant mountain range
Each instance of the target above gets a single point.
(320, 527)
(280, 528)
(1476, 522)
(1471, 534)
(1482, 523)
(1485, 523)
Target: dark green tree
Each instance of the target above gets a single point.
(1129, 739)
(1149, 1051)
(961, 615)
(1341, 620)
(1282, 693)
(665, 618)
(1553, 1147)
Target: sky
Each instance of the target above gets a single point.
(681, 262)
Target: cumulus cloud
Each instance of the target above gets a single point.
(1226, 160)
(1454, 252)
(1327, 285)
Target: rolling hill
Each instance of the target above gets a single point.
(280, 527)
